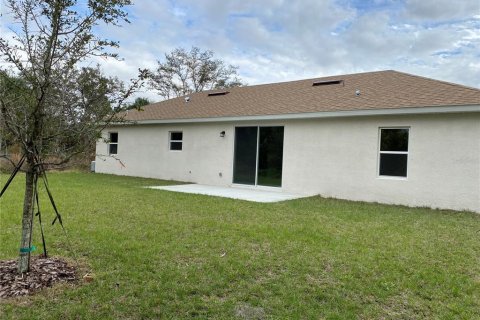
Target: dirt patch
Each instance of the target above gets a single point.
(248, 312)
(44, 273)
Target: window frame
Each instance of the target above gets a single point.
(112, 143)
(170, 140)
(380, 152)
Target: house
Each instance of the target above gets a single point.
(385, 136)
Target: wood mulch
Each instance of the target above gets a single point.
(44, 272)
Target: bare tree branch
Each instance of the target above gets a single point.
(184, 72)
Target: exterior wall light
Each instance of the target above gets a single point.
(222, 134)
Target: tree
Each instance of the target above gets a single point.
(138, 103)
(184, 72)
(49, 106)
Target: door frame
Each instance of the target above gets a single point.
(256, 185)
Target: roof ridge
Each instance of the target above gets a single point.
(276, 83)
(284, 82)
(442, 81)
(316, 78)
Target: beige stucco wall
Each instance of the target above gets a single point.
(336, 157)
(342, 160)
(144, 152)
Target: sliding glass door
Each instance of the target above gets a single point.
(258, 156)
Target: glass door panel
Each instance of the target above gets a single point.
(245, 155)
(270, 156)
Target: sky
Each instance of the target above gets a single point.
(283, 40)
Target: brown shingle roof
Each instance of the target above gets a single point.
(378, 90)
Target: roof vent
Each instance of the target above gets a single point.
(218, 93)
(357, 92)
(327, 83)
(187, 99)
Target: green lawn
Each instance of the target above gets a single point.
(157, 254)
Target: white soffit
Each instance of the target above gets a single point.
(324, 114)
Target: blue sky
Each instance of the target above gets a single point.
(280, 40)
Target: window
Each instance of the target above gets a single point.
(112, 143)
(393, 152)
(176, 140)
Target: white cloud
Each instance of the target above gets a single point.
(435, 10)
(279, 40)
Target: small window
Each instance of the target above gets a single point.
(112, 143)
(176, 140)
(393, 156)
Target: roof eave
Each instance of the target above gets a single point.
(324, 114)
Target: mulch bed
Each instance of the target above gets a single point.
(44, 272)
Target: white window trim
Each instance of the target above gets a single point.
(379, 152)
(112, 143)
(170, 141)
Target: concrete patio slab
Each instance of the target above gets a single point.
(242, 193)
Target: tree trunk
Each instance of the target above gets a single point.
(27, 221)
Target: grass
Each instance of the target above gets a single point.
(158, 254)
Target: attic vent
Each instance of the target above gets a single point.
(218, 93)
(327, 83)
